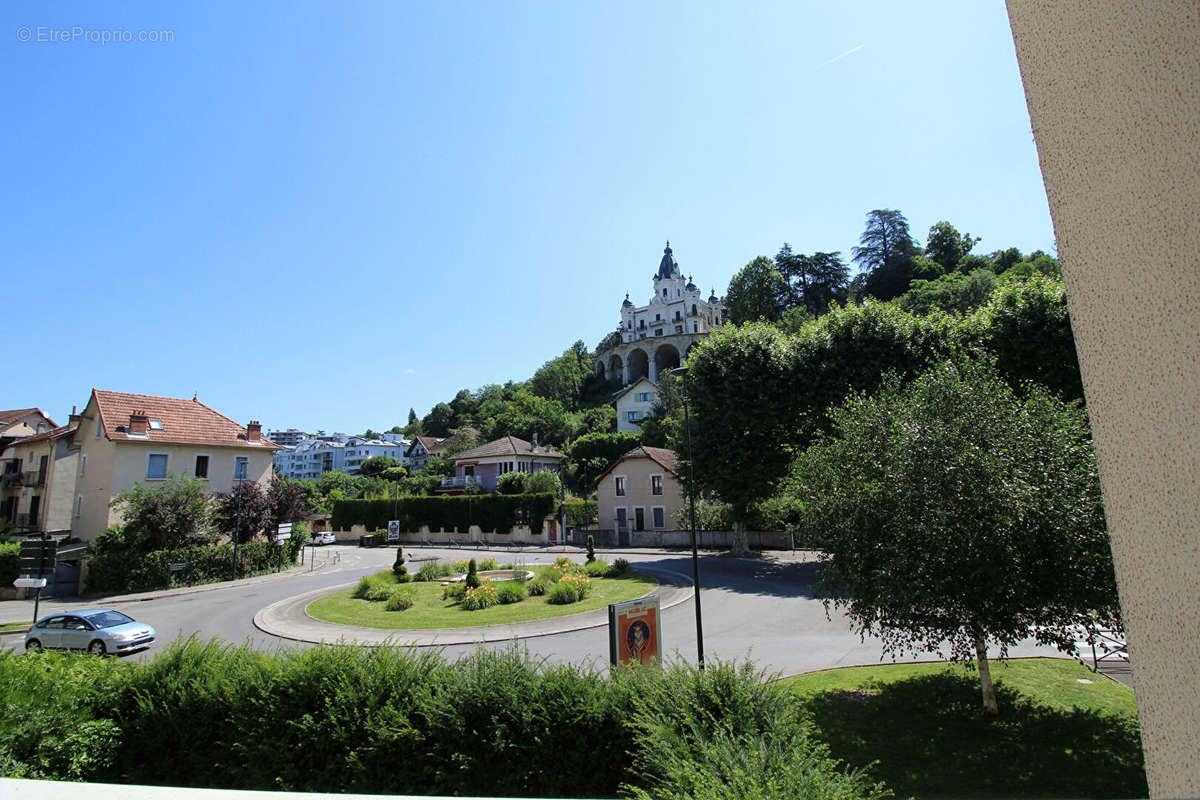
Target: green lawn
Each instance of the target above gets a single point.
(14, 626)
(430, 611)
(923, 726)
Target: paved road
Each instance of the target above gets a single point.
(761, 608)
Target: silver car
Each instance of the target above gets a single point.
(96, 630)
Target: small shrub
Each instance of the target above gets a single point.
(569, 589)
(488, 563)
(505, 566)
(433, 572)
(619, 568)
(479, 598)
(459, 567)
(398, 568)
(536, 587)
(375, 588)
(472, 576)
(454, 591)
(400, 599)
(591, 548)
(596, 569)
(510, 592)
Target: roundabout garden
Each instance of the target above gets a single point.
(466, 594)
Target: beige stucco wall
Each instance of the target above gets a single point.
(1114, 97)
(113, 467)
(637, 472)
(54, 509)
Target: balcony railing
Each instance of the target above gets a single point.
(459, 482)
(33, 478)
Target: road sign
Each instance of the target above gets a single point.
(284, 528)
(179, 566)
(280, 538)
(37, 557)
(30, 583)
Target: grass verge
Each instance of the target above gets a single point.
(923, 726)
(429, 610)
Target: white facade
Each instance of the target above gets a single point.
(634, 403)
(312, 458)
(676, 307)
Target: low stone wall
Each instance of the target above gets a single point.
(715, 540)
(519, 535)
(709, 540)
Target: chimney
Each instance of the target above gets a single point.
(254, 431)
(533, 447)
(74, 418)
(139, 423)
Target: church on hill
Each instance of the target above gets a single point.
(656, 337)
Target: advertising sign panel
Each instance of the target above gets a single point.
(634, 633)
(394, 530)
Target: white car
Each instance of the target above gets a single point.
(324, 537)
(97, 630)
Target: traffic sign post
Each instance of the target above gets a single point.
(35, 562)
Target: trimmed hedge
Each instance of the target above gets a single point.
(491, 512)
(582, 513)
(402, 721)
(9, 558)
(117, 569)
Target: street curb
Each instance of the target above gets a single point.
(274, 621)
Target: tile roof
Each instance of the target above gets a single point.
(507, 446)
(57, 433)
(662, 456)
(428, 442)
(183, 421)
(11, 416)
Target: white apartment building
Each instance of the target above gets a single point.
(313, 457)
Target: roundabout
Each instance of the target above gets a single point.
(290, 619)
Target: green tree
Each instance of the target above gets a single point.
(814, 282)
(885, 252)
(527, 413)
(953, 292)
(954, 512)
(743, 415)
(170, 514)
(543, 480)
(1027, 326)
(561, 379)
(591, 454)
(439, 421)
(377, 465)
(756, 292)
(946, 245)
(511, 483)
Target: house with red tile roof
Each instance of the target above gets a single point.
(484, 464)
(18, 423)
(123, 439)
(640, 491)
(38, 482)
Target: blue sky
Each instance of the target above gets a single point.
(321, 215)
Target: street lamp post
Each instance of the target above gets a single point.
(687, 423)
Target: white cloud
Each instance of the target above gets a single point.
(410, 371)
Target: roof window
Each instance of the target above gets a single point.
(156, 425)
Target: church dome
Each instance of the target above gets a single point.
(668, 266)
(691, 287)
(712, 298)
(627, 304)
